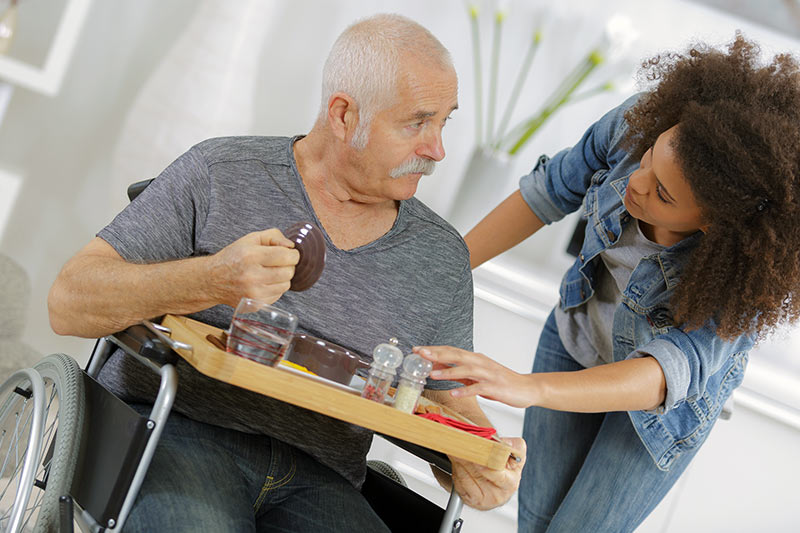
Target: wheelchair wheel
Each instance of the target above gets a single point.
(56, 454)
(387, 470)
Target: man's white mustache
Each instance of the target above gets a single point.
(418, 165)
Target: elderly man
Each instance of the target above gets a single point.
(194, 243)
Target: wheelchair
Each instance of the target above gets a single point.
(72, 452)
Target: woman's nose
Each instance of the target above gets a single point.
(638, 182)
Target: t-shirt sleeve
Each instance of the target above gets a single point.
(163, 222)
(456, 326)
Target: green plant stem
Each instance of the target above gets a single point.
(550, 102)
(476, 59)
(589, 93)
(560, 96)
(495, 65)
(520, 81)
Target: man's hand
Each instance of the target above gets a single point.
(479, 486)
(259, 265)
(483, 488)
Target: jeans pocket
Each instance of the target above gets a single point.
(282, 471)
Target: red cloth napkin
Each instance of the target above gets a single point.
(484, 432)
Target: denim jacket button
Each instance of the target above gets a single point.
(610, 235)
(581, 256)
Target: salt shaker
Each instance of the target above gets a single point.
(385, 360)
(412, 381)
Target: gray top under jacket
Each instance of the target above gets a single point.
(585, 330)
(413, 283)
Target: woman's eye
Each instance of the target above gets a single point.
(660, 194)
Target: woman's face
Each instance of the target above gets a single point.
(659, 196)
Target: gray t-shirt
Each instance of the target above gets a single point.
(413, 283)
(585, 330)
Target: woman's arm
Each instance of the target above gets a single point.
(630, 385)
(507, 225)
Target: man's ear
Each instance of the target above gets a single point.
(342, 116)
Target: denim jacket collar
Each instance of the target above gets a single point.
(608, 216)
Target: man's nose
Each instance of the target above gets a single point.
(432, 147)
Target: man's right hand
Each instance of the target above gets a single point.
(259, 265)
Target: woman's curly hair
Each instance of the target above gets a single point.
(738, 144)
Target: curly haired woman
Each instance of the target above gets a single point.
(691, 193)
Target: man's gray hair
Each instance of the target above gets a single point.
(364, 63)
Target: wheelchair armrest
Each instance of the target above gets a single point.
(438, 459)
(144, 342)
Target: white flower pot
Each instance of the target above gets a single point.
(484, 185)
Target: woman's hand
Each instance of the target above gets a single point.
(480, 374)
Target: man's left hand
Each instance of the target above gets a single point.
(481, 487)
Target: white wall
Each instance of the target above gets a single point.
(63, 147)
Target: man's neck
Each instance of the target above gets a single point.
(352, 218)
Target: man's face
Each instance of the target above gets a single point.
(405, 140)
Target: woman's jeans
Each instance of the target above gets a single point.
(585, 472)
(207, 478)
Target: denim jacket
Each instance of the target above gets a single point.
(701, 370)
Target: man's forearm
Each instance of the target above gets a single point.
(96, 295)
(466, 407)
(98, 292)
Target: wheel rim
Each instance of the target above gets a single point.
(51, 418)
(21, 433)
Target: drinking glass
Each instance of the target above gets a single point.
(260, 332)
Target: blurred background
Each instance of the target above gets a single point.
(95, 95)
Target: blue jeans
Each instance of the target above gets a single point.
(207, 478)
(585, 472)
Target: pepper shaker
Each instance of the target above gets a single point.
(385, 360)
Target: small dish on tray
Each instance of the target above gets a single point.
(325, 358)
(355, 386)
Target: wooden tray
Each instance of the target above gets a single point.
(296, 389)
